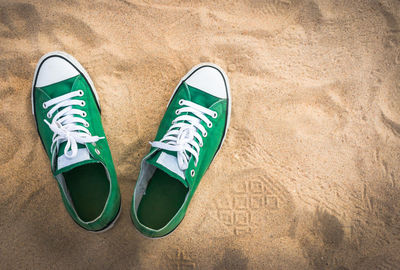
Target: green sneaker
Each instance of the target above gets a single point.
(190, 135)
(67, 113)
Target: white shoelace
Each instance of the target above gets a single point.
(64, 123)
(181, 136)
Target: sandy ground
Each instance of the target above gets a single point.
(308, 177)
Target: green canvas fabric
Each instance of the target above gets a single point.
(43, 94)
(211, 145)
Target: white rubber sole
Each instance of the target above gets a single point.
(191, 71)
(74, 62)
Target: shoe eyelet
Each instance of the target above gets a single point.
(94, 144)
(84, 114)
(97, 151)
(86, 124)
(177, 112)
(201, 144)
(49, 115)
(180, 102)
(192, 173)
(209, 125)
(205, 134)
(215, 114)
(80, 92)
(44, 105)
(83, 103)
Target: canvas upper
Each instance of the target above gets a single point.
(67, 115)
(178, 158)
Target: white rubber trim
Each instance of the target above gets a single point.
(228, 97)
(74, 62)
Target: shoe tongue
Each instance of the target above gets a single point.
(62, 163)
(168, 163)
(65, 164)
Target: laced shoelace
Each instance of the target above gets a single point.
(65, 123)
(182, 135)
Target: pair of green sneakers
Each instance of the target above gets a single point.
(67, 113)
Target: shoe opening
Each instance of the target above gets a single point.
(88, 187)
(162, 199)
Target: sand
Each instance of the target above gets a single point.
(308, 177)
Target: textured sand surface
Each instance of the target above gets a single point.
(308, 177)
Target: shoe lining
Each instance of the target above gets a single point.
(88, 187)
(163, 198)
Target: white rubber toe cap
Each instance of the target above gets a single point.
(210, 80)
(54, 69)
